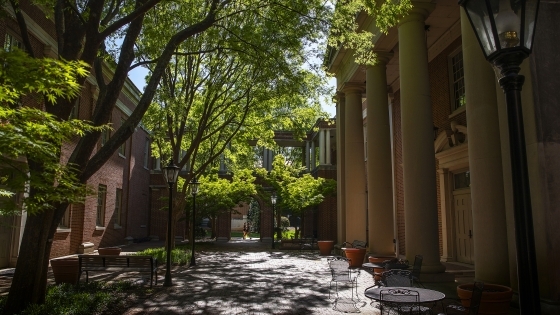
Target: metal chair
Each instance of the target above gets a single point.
(341, 272)
(402, 301)
(416, 268)
(396, 278)
(474, 302)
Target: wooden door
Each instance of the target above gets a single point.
(463, 226)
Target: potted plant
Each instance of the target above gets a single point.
(109, 251)
(495, 298)
(65, 270)
(356, 256)
(325, 247)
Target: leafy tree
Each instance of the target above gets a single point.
(218, 195)
(296, 191)
(87, 30)
(32, 132)
(225, 87)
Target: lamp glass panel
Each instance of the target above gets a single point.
(507, 14)
(531, 7)
(175, 174)
(194, 187)
(482, 23)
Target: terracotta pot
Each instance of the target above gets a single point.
(356, 256)
(65, 270)
(378, 260)
(109, 251)
(325, 247)
(377, 273)
(495, 298)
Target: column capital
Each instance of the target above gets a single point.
(352, 87)
(382, 57)
(420, 11)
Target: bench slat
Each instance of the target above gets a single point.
(117, 263)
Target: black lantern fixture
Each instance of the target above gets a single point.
(273, 201)
(505, 31)
(194, 190)
(170, 173)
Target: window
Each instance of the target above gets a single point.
(101, 197)
(146, 153)
(74, 114)
(118, 206)
(122, 148)
(10, 42)
(457, 81)
(65, 222)
(462, 180)
(105, 135)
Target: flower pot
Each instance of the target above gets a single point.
(495, 298)
(325, 247)
(356, 256)
(65, 270)
(377, 273)
(379, 260)
(109, 251)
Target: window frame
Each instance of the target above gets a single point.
(118, 206)
(122, 147)
(101, 205)
(452, 91)
(65, 222)
(12, 38)
(147, 153)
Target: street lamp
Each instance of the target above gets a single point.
(170, 173)
(194, 191)
(505, 31)
(273, 201)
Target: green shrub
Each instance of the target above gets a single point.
(91, 298)
(179, 255)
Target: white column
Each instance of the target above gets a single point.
(485, 163)
(419, 178)
(322, 147)
(380, 177)
(355, 175)
(313, 159)
(307, 155)
(328, 146)
(340, 168)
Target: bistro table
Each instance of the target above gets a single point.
(424, 295)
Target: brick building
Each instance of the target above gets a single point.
(423, 151)
(119, 207)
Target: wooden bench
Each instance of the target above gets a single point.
(89, 263)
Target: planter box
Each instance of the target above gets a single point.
(109, 251)
(495, 298)
(65, 270)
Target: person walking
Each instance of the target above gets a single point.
(245, 230)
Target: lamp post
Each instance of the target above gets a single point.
(505, 31)
(170, 173)
(194, 191)
(273, 201)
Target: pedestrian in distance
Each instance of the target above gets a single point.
(245, 230)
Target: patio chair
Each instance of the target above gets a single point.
(416, 268)
(474, 302)
(396, 278)
(341, 272)
(401, 301)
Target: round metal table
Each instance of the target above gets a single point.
(424, 295)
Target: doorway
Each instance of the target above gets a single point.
(463, 218)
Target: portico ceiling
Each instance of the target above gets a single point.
(443, 26)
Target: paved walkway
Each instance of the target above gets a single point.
(246, 277)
